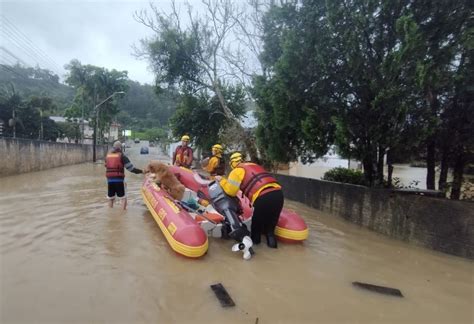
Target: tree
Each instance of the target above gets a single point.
(200, 117)
(142, 108)
(335, 74)
(37, 82)
(198, 57)
(24, 118)
(70, 130)
(373, 77)
(439, 27)
(94, 84)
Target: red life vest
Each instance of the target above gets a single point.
(183, 156)
(255, 178)
(114, 166)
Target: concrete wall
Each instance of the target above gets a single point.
(437, 223)
(20, 155)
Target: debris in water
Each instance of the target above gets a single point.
(379, 289)
(222, 295)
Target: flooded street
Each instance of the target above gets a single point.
(66, 257)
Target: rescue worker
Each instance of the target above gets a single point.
(215, 165)
(183, 155)
(115, 161)
(262, 189)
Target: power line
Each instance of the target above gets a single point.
(39, 50)
(7, 68)
(12, 55)
(12, 29)
(24, 51)
(17, 43)
(25, 77)
(3, 58)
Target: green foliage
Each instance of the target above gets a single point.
(151, 134)
(30, 115)
(369, 76)
(70, 130)
(201, 59)
(142, 108)
(37, 82)
(93, 85)
(174, 56)
(345, 175)
(201, 116)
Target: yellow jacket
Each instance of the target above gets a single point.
(213, 164)
(231, 185)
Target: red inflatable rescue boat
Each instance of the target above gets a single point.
(291, 227)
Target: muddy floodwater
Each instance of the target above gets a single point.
(66, 257)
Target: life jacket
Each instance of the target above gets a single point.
(220, 169)
(183, 155)
(255, 178)
(114, 166)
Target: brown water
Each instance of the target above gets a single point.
(66, 257)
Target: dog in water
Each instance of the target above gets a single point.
(164, 177)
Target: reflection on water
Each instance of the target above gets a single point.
(65, 256)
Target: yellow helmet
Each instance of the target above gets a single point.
(235, 159)
(218, 147)
(185, 138)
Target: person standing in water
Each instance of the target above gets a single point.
(115, 163)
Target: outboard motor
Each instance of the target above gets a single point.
(233, 227)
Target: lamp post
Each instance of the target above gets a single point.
(94, 136)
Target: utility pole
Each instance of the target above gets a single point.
(94, 136)
(41, 124)
(14, 123)
(82, 125)
(96, 110)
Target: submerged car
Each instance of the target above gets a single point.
(144, 150)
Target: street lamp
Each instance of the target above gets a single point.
(94, 136)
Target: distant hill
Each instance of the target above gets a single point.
(37, 82)
(141, 108)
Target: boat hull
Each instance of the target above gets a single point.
(291, 227)
(183, 233)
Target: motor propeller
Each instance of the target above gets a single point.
(245, 246)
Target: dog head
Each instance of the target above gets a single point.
(156, 167)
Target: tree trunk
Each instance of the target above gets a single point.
(390, 168)
(433, 101)
(368, 170)
(458, 172)
(431, 164)
(381, 155)
(443, 176)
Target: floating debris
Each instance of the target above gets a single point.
(223, 296)
(379, 289)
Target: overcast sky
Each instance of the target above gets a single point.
(99, 32)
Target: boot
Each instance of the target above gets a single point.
(271, 241)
